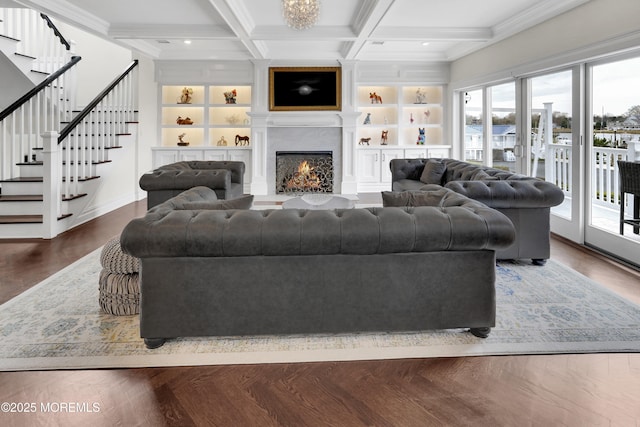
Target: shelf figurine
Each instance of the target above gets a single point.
(427, 114)
(421, 137)
(383, 137)
(367, 120)
(185, 98)
(233, 119)
(181, 141)
(230, 97)
(375, 98)
(185, 121)
(222, 142)
(242, 140)
(364, 141)
(421, 96)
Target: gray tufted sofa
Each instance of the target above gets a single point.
(226, 178)
(254, 272)
(526, 201)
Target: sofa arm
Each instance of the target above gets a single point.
(406, 169)
(531, 193)
(163, 179)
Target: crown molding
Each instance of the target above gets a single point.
(69, 13)
(170, 32)
(540, 12)
(433, 34)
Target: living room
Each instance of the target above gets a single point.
(607, 33)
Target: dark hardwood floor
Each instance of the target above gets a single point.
(542, 390)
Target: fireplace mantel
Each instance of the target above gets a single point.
(304, 118)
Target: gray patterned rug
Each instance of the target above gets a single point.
(552, 309)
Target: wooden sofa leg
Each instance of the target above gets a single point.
(480, 332)
(152, 343)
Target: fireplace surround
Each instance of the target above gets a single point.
(305, 141)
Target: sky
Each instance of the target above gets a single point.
(616, 88)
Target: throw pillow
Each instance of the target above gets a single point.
(413, 198)
(433, 172)
(244, 202)
(481, 175)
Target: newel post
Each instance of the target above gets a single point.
(51, 184)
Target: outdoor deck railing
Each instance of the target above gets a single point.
(604, 171)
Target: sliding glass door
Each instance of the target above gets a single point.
(490, 145)
(550, 141)
(569, 127)
(614, 112)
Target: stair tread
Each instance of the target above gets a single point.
(26, 219)
(9, 38)
(35, 197)
(40, 179)
(24, 179)
(24, 55)
(22, 198)
(20, 219)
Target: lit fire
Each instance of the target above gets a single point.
(305, 178)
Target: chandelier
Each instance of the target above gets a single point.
(300, 14)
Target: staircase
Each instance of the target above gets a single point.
(53, 155)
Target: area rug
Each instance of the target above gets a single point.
(552, 309)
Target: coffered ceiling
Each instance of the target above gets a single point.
(394, 30)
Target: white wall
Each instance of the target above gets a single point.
(102, 61)
(147, 117)
(589, 30)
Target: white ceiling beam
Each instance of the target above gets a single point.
(239, 21)
(145, 47)
(366, 19)
(323, 33)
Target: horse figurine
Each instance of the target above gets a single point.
(375, 98)
(383, 137)
(242, 140)
(421, 137)
(364, 141)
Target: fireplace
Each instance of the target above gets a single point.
(304, 172)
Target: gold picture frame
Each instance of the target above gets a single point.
(305, 88)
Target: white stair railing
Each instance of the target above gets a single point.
(40, 110)
(94, 130)
(37, 37)
(50, 102)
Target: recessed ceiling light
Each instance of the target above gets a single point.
(425, 43)
(187, 42)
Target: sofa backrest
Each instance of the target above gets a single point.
(236, 168)
(456, 170)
